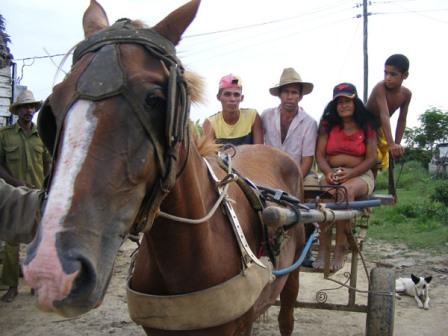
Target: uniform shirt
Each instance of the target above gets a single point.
(23, 156)
(300, 141)
(238, 134)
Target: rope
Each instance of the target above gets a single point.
(229, 178)
(200, 220)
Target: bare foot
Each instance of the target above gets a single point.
(319, 263)
(324, 248)
(338, 259)
(11, 294)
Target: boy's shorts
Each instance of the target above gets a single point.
(382, 151)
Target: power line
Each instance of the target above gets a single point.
(38, 57)
(327, 12)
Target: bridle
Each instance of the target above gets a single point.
(96, 83)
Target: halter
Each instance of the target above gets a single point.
(97, 83)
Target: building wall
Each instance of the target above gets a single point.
(5, 95)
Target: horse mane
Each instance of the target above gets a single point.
(205, 144)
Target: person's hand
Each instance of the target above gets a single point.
(25, 184)
(333, 177)
(329, 178)
(396, 150)
(18, 183)
(342, 175)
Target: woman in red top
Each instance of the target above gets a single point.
(345, 153)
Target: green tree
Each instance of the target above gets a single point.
(421, 140)
(5, 55)
(433, 130)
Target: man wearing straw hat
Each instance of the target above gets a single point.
(289, 128)
(24, 161)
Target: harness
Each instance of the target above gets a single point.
(96, 83)
(228, 300)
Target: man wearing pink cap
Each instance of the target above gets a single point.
(233, 125)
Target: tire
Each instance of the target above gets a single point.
(381, 303)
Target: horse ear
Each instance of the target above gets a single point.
(94, 19)
(173, 26)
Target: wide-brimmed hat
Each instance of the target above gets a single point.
(290, 76)
(345, 90)
(26, 97)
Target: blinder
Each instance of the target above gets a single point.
(122, 31)
(46, 125)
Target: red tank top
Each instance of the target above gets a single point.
(340, 143)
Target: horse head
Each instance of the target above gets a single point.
(116, 123)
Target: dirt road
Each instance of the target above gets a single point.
(22, 318)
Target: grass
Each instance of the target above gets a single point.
(419, 219)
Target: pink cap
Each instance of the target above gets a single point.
(230, 81)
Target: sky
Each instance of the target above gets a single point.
(256, 40)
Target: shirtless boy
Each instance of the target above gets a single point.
(387, 97)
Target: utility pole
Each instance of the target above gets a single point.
(365, 13)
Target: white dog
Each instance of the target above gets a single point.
(418, 287)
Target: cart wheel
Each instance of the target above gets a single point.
(380, 305)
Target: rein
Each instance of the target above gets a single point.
(223, 186)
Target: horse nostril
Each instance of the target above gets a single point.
(85, 281)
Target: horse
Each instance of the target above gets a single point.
(127, 161)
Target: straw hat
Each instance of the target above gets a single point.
(290, 76)
(26, 97)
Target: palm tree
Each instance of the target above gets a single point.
(5, 55)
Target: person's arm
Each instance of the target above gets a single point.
(308, 147)
(208, 129)
(380, 96)
(321, 158)
(401, 123)
(18, 212)
(364, 166)
(257, 130)
(305, 165)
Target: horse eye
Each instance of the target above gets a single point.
(154, 101)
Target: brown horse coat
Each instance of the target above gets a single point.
(122, 140)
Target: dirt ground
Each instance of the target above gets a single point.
(22, 318)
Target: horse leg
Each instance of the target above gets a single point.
(288, 298)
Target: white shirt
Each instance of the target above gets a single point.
(301, 138)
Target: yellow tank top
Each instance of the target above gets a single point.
(238, 134)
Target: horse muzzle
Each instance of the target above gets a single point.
(68, 285)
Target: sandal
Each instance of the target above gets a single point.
(11, 294)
